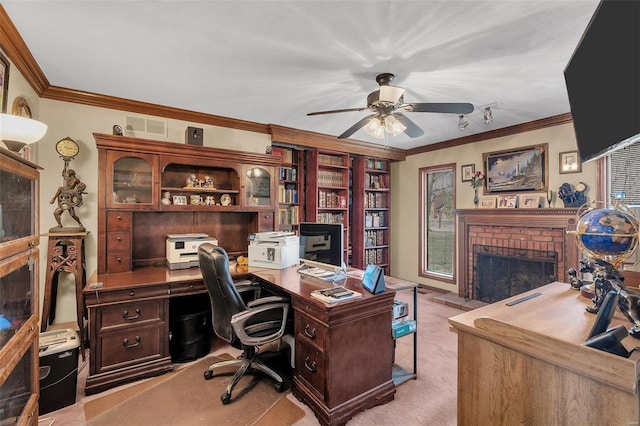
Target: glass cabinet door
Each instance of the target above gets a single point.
(16, 293)
(259, 187)
(132, 181)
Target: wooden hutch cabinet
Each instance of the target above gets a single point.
(19, 310)
(370, 213)
(148, 189)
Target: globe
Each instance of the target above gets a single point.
(608, 234)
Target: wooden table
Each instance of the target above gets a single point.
(525, 364)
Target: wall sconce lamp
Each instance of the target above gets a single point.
(462, 123)
(17, 132)
(488, 115)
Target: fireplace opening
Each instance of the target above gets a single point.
(501, 272)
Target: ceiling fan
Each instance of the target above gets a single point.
(387, 105)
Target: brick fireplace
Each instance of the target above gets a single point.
(517, 242)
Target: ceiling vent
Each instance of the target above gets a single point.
(139, 126)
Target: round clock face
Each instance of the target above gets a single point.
(67, 147)
(581, 187)
(225, 199)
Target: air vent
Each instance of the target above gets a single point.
(139, 126)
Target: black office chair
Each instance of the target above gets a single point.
(249, 326)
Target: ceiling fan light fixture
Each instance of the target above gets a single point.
(394, 126)
(488, 116)
(462, 123)
(374, 128)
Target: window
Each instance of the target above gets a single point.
(437, 222)
(624, 174)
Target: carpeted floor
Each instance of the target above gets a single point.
(428, 400)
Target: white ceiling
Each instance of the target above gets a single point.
(275, 61)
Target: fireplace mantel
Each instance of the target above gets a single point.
(526, 228)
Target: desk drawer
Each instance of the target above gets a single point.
(310, 330)
(130, 314)
(118, 261)
(118, 241)
(188, 288)
(119, 221)
(130, 294)
(310, 367)
(131, 346)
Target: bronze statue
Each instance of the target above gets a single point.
(69, 197)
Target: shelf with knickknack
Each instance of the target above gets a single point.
(371, 208)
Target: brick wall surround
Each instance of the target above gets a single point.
(531, 229)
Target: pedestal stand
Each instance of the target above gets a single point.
(65, 254)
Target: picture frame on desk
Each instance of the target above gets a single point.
(507, 201)
(487, 203)
(179, 200)
(530, 201)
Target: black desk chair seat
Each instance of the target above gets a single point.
(256, 327)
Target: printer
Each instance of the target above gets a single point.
(182, 249)
(274, 250)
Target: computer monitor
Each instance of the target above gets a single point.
(321, 245)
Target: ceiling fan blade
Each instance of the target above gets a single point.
(412, 130)
(360, 124)
(336, 110)
(391, 94)
(449, 108)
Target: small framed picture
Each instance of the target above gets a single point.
(487, 203)
(530, 201)
(570, 162)
(507, 201)
(467, 172)
(180, 200)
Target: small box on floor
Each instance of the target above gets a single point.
(58, 351)
(403, 326)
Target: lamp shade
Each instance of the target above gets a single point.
(20, 129)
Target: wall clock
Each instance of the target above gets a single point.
(225, 199)
(67, 148)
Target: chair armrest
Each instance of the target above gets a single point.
(268, 299)
(244, 287)
(239, 323)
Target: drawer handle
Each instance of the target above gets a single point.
(311, 367)
(132, 293)
(119, 260)
(119, 217)
(126, 316)
(310, 334)
(126, 344)
(118, 239)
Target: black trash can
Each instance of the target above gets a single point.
(59, 350)
(190, 330)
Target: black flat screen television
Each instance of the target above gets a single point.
(322, 243)
(603, 80)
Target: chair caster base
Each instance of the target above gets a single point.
(280, 387)
(225, 398)
(208, 375)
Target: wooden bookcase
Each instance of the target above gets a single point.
(290, 188)
(370, 212)
(327, 189)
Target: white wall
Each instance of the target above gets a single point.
(405, 186)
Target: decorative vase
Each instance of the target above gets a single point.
(475, 197)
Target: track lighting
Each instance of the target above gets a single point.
(488, 115)
(462, 123)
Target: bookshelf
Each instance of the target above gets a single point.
(327, 189)
(290, 188)
(370, 212)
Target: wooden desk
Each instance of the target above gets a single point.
(344, 352)
(524, 364)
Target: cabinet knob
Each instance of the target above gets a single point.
(310, 332)
(119, 260)
(118, 239)
(132, 293)
(119, 217)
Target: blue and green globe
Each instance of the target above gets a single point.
(609, 234)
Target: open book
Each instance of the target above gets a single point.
(335, 294)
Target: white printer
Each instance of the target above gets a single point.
(182, 249)
(274, 250)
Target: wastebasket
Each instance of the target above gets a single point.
(190, 330)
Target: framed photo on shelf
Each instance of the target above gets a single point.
(467, 172)
(507, 201)
(179, 200)
(516, 170)
(4, 82)
(570, 162)
(530, 201)
(487, 203)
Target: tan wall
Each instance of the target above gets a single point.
(404, 182)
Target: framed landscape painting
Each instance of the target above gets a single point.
(517, 170)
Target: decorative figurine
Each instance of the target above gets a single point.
(192, 182)
(208, 183)
(573, 197)
(210, 201)
(166, 198)
(69, 197)
(574, 281)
